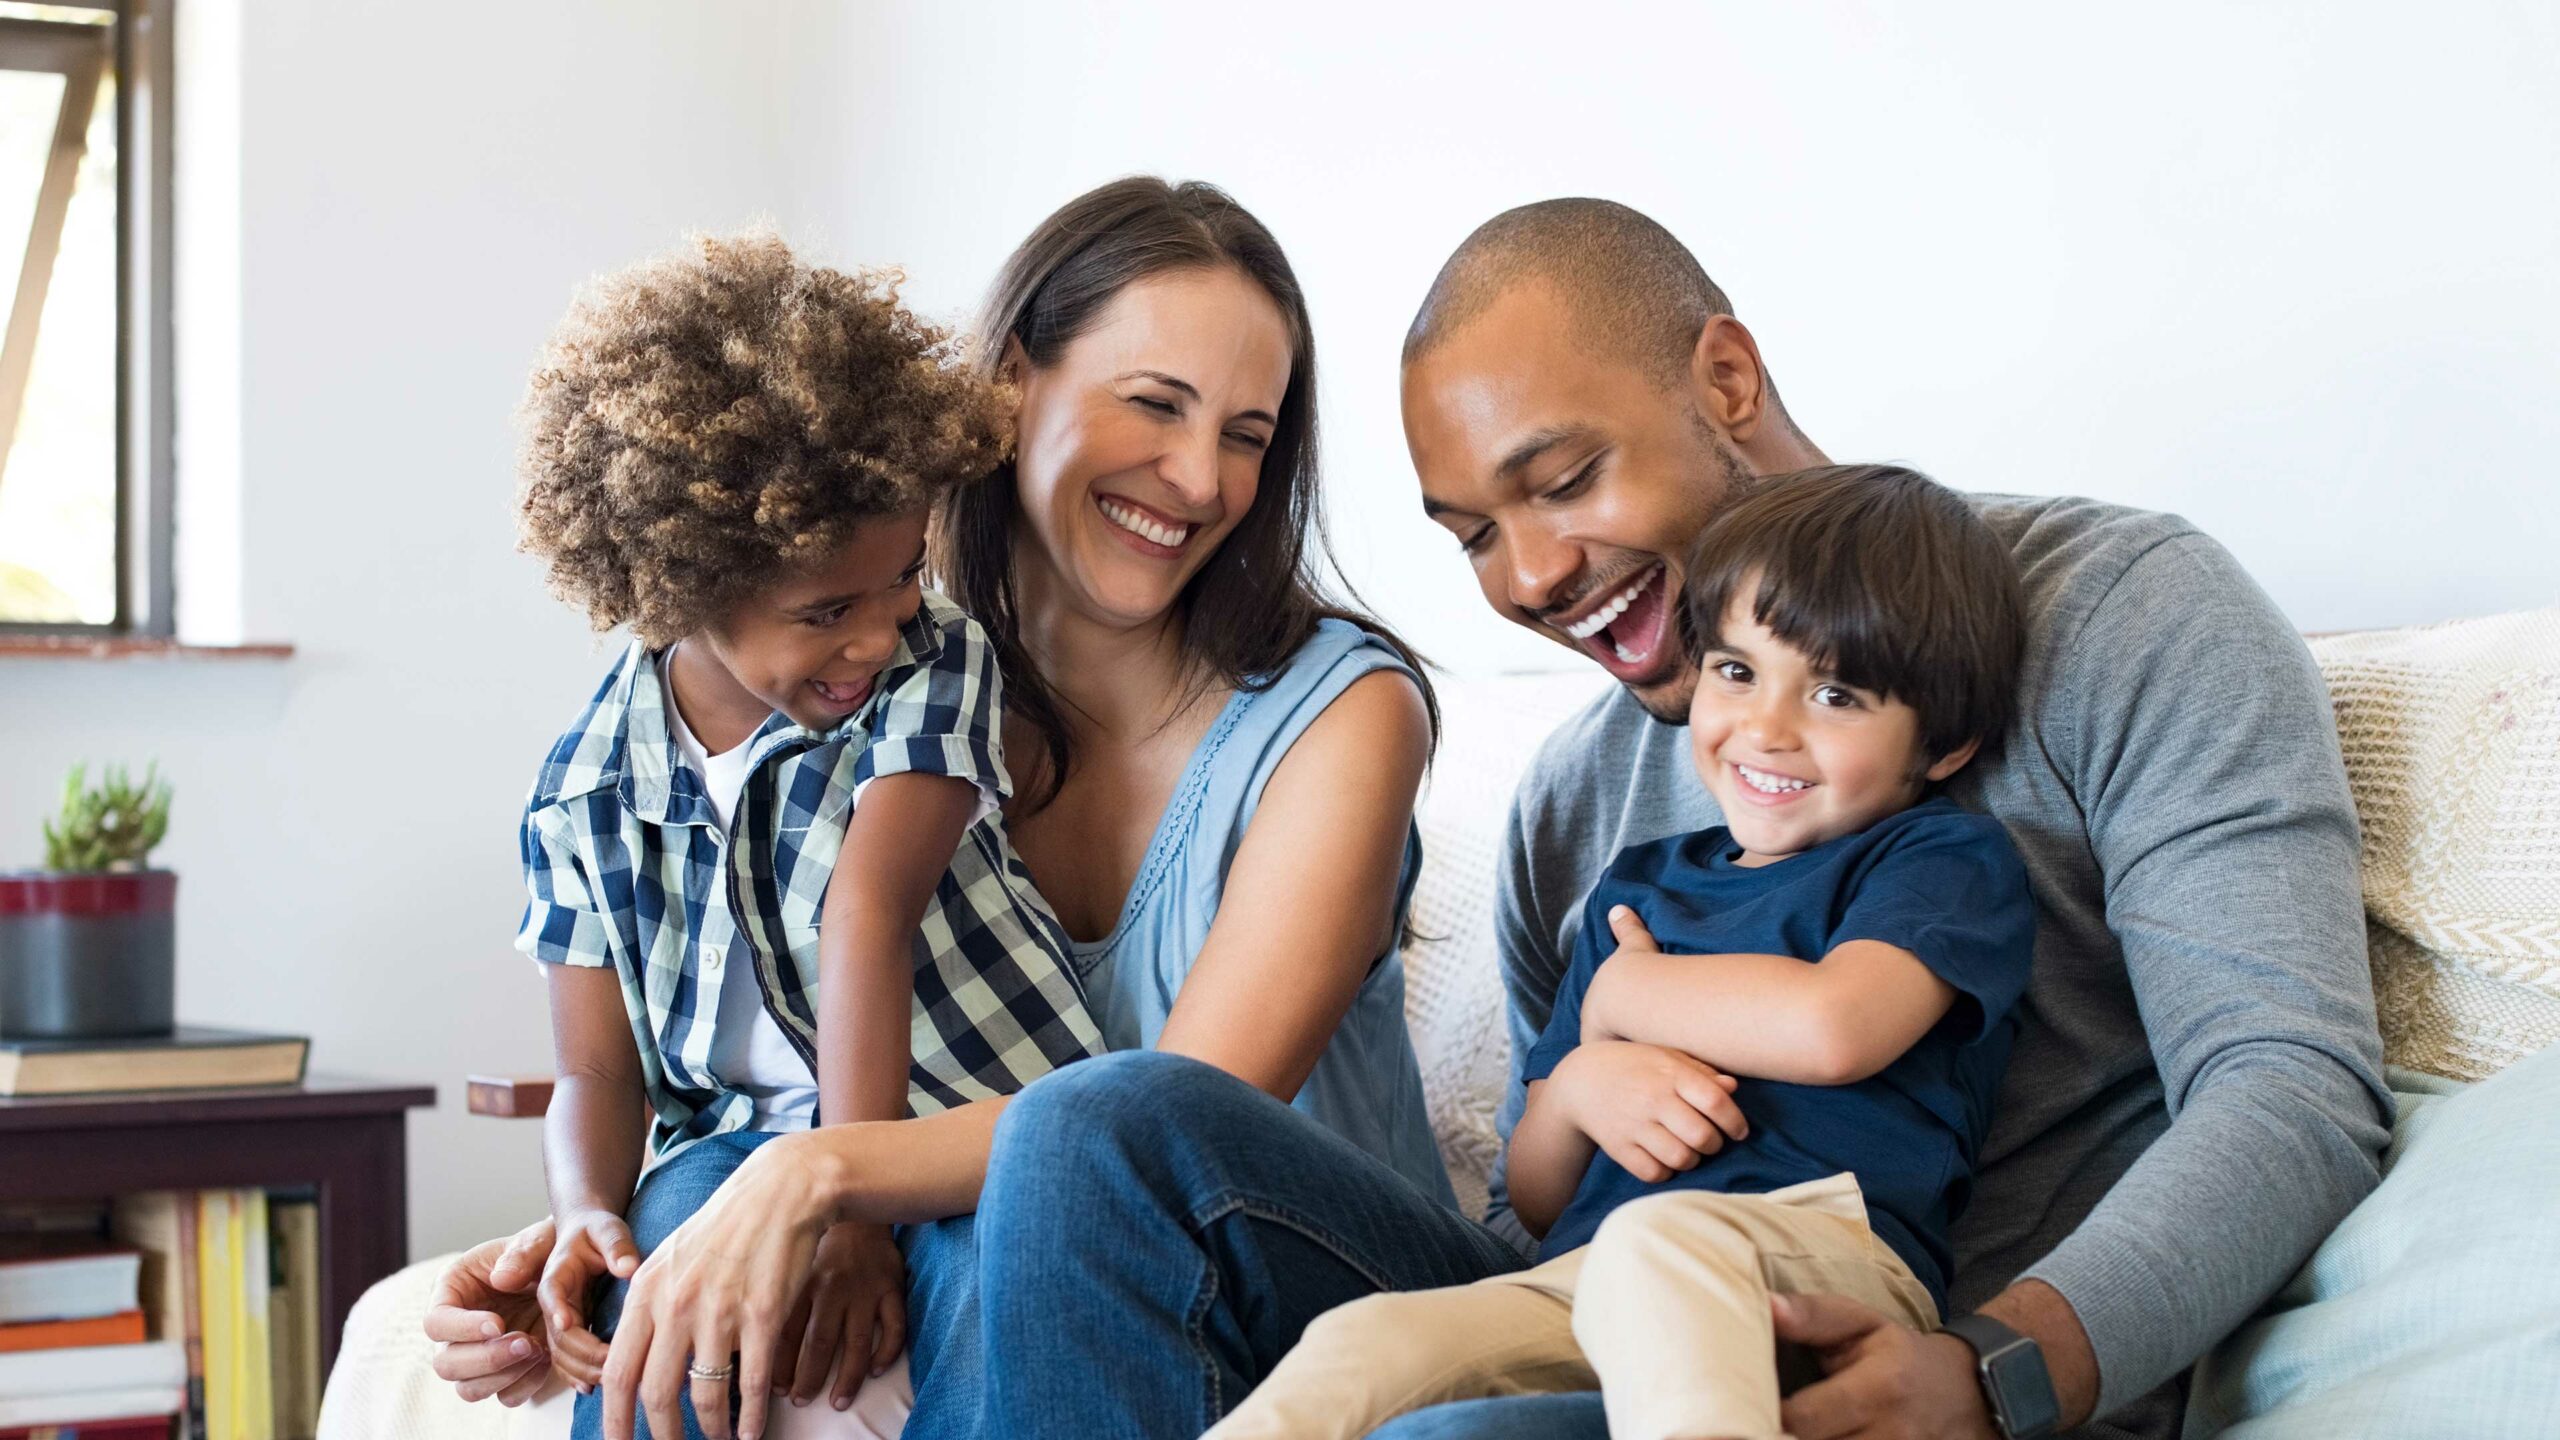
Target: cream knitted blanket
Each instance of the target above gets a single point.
(2452, 741)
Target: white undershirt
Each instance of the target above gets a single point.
(749, 1052)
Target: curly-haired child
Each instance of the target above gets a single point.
(769, 877)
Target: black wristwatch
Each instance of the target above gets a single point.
(2014, 1382)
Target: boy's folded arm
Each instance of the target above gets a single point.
(1773, 1017)
(1546, 1159)
(898, 845)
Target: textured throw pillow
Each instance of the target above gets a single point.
(1490, 730)
(2452, 741)
(2434, 1310)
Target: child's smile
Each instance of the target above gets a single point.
(811, 647)
(1795, 756)
(845, 697)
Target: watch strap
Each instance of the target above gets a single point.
(1993, 1342)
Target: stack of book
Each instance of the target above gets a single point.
(75, 1348)
(192, 1057)
(188, 1313)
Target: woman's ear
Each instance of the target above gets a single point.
(1013, 363)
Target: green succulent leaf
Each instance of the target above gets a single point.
(112, 825)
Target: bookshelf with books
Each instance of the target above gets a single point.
(247, 1222)
(180, 1315)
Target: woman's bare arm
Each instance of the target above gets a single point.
(1310, 899)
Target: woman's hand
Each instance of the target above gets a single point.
(592, 1244)
(852, 1320)
(486, 1322)
(1654, 1111)
(715, 1295)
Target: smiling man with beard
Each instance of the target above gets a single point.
(2196, 1097)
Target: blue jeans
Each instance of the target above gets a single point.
(1511, 1417)
(1153, 1236)
(942, 1314)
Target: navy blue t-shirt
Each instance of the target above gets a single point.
(1936, 880)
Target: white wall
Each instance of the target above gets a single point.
(2293, 272)
(2292, 277)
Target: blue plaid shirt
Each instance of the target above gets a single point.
(627, 866)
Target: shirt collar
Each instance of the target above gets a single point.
(650, 767)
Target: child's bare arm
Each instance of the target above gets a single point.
(1772, 1017)
(897, 848)
(1548, 1157)
(1653, 1109)
(592, 1144)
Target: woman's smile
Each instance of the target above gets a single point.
(1149, 532)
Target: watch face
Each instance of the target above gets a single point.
(2026, 1392)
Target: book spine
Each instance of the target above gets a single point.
(90, 1367)
(128, 1328)
(145, 1429)
(282, 1323)
(191, 1312)
(297, 1230)
(220, 1296)
(257, 1307)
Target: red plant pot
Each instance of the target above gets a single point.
(88, 956)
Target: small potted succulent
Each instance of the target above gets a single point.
(88, 945)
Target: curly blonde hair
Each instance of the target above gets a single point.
(710, 421)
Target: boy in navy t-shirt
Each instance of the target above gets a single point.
(1771, 1065)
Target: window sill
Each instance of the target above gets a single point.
(130, 647)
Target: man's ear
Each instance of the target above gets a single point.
(1726, 381)
(1954, 760)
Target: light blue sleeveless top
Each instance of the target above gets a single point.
(1367, 1086)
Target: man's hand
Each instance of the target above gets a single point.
(1654, 1111)
(592, 1244)
(485, 1321)
(1881, 1378)
(852, 1320)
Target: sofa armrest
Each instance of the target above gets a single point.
(510, 1097)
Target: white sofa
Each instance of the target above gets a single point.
(2442, 727)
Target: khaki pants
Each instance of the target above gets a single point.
(1665, 1312)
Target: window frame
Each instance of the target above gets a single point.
(145, 407)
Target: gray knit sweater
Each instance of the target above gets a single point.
(2196, 1096)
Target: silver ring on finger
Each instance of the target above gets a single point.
(700, 1371)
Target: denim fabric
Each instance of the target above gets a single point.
(1153, 1236)
(944, 1363)
(668, 1196)
(1509, 1417)
(942, 1277)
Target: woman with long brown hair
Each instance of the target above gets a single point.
(1216, 763)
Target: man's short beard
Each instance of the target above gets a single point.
(1668, 702)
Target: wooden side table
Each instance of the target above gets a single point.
(344, 1136)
